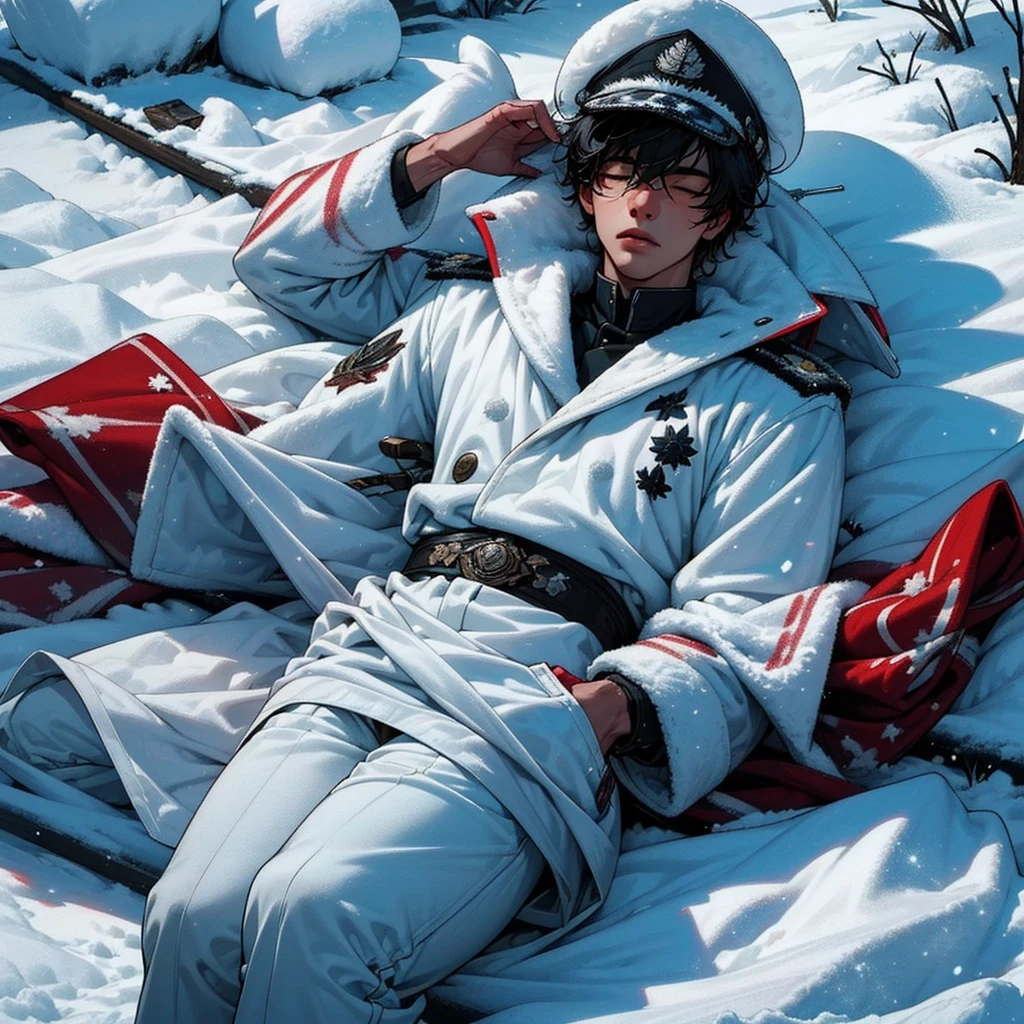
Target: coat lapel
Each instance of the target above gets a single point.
(540, 257)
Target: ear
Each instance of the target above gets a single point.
(586, 197)
(713, 228)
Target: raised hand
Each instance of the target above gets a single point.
(494, 143)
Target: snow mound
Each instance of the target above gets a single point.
(93, 40)
(35, 227)
(310, 46)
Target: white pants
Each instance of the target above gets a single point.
(327, 879)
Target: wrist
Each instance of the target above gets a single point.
(607, 708)
(424, 165)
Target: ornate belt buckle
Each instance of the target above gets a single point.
(497, 563)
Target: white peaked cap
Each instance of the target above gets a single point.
(752, 58)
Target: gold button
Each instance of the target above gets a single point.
(465, 467)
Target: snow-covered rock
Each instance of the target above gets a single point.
(98, 39)
(310, 46)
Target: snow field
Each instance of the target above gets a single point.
(897, 908)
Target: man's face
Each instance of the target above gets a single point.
(650, 233)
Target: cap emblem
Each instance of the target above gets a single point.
(681, 60)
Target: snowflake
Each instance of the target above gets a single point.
(674, 448)
(891, 731)
(652, 482)
(62, 591)
(861, 760)
(915, 584)
(61, 422)
(134, 497)
(160, 382)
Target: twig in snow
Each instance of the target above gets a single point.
(831, 9)
(950, 24)
(1015, 174)
(888, 70)
(946, 110)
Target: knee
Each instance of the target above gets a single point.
(49, 728)
(324, 913)
(191, 916)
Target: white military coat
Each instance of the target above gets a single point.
(746, 517)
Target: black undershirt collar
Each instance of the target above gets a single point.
(606, 325)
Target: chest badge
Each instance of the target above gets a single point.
(652, 482)
(365, 365)
(667, 406)
(673, 448)
(465, 466)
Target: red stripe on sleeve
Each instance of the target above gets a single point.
(334, 196)
(274, 210)
(788, 643)
(677, 646)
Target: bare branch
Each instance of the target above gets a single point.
(946, 110)
(888, 70)
(939, 17)
(911, 70)
(999, 163)
(831, 9)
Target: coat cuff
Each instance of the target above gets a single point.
(363, 204)
(693, 720)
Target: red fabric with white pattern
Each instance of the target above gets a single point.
(93, 427)
(903, 654)
(92, 430)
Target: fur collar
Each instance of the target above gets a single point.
(544, 255)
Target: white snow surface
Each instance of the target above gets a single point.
(900, 906)
(96, 39)
(310, 46)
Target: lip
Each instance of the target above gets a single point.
(636, 235)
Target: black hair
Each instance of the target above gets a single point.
(655, 146)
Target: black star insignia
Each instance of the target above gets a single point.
(674, 448)
(653, 483)
(667, 406)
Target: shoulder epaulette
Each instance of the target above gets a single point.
(803, 371)
(458, 266)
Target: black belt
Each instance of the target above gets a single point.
(536, 574)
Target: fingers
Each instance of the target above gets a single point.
(545, 121)
(533, 112)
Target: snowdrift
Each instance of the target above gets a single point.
(310, 46)
(94, 40)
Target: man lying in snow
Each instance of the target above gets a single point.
(569, 439)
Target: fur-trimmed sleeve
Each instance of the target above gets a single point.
(748, 639)
(329, 246)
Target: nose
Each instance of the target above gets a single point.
(642, 203)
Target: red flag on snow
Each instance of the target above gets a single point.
(93, 427)
(92, 430)
(906, 651)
